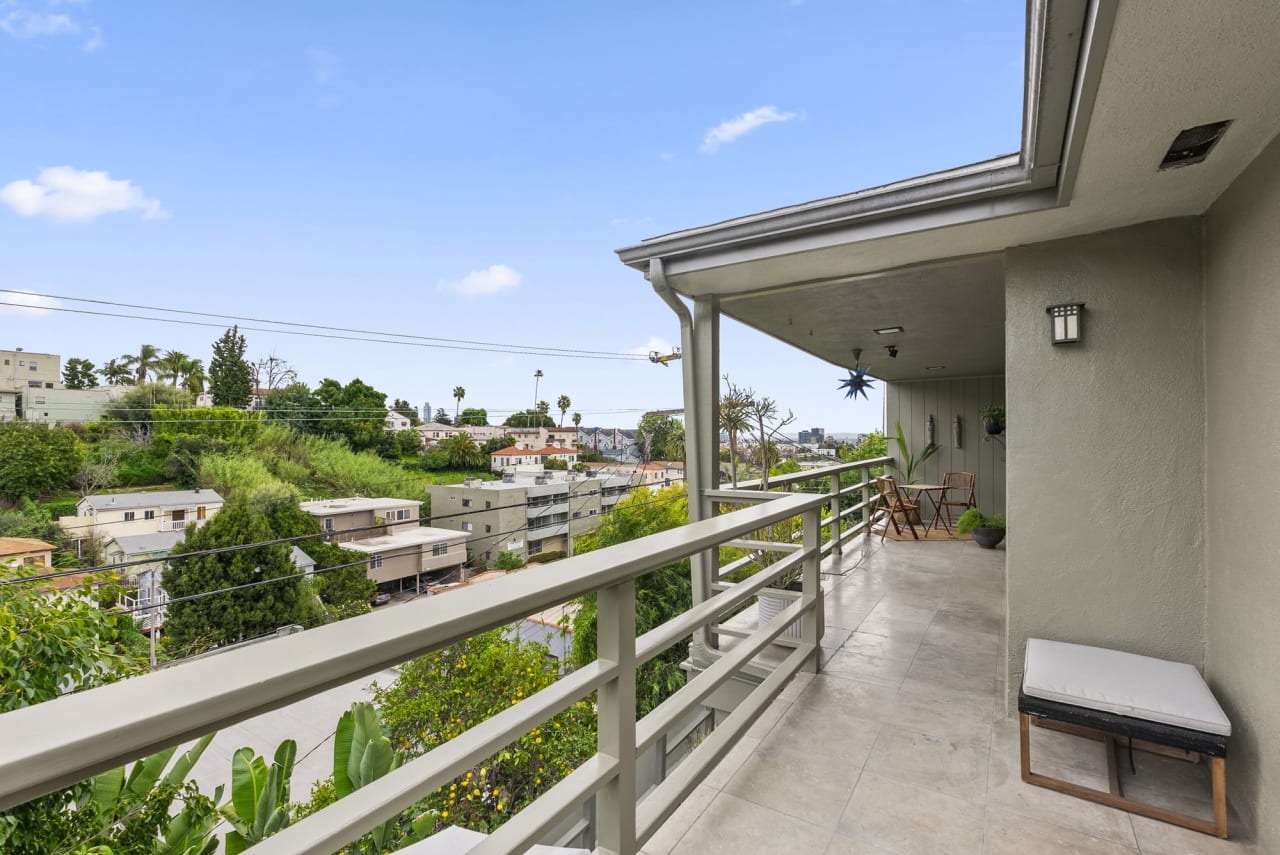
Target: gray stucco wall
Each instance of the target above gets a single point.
(1106, 445)
(1242, 353)
(913, 402)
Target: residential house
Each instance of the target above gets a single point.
(22, 371)
(110, 516)
(59, 406)
(397, 421)
(511, 459)
(527, 512)
(29, 551)
(401, 551)
(616, 443)
(525, 437)
(433, 433)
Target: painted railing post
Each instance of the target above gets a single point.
(811, 590)
(866, 510)
(616, 716)
(836, 549)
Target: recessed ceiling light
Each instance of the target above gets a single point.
(1193, 145)
(888, 330)
(934, 367)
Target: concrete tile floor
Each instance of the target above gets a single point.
(902, 746)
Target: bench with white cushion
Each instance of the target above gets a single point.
(1125, 700)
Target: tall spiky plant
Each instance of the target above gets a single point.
(906, 462)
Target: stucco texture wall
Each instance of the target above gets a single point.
(1106, 445)
(1242, 352)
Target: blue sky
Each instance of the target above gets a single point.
(462, 170)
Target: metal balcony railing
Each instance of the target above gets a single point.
(80, 735)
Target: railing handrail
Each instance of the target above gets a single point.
(77, 736)
(814, 474)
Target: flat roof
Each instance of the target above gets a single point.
(326, 507)
(160, 541)
(161, 499)
(402, 539)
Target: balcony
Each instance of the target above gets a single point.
(899, 744)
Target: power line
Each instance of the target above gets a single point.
(489, 347)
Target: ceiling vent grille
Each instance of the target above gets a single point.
(1194, 144)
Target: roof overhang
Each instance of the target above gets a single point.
(1090, 150)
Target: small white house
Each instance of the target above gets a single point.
(397, 421)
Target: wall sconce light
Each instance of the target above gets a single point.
(957, 432)
(1067, 322)
(930, 432)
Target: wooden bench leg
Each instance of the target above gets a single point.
(1218, 827)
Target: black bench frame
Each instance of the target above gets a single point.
(1133, 733)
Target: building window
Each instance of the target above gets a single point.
(148, 515)
(488, 505)
(200, 513)
(33, 365)
(375, 562)
(328, 523)
(128, 516)
(33, 384)
(22, 363)
(535, 546)
(440, 549)
(466, 503)
(466, 526)
(48, 385)
(488, 528)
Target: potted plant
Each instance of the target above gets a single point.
(993, 419)
(987, 530)
(907, 463)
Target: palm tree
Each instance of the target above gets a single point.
(537, 377)
(543, 409)
(735, 408)
(458, 393)
(577, 419)
(116, 372)
(195, 377)
(172, 366)
(148, 359)
(563, 404)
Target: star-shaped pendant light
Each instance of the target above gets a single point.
(858, 383)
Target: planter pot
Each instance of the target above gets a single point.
(987, 538)
(993, 428)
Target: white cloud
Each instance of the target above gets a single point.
(94, 41)
(29, 304)
(730, 129)
(659, 344)
(68, 195)
(491, 280)
(324, 65)
(25, 24)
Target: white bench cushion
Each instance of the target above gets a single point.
(1122, 683)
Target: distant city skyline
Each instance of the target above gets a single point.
(462, 172)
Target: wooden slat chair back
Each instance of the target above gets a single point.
(892, 502)
(959, 492)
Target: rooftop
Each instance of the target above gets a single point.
(139, 544)
(326, 507)
(162, 499)
(22, 545)
(399, 540)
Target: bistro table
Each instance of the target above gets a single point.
(935, 492)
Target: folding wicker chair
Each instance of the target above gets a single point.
(962, 483)
(891, 501)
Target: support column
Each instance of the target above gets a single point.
(616, 732)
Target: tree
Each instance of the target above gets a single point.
(474, 416)
(577, 419)
(440, 695)
(116, 372)
(294, 405)
(146, 360)
(763, 414)
(273, 372)
(498, 443)
(735, 405)
(661, 437)
(195, 377)
(543, 409)
(462, 452)
(233, 615)
(442, 418)
(537, 378)
(78, 374)
(230, 376)
(134, 406)
(409, 411)
(344, 592)
(173, 365)
(356, 412)
(36, 459)
(529, 418)
(563, 404)
(458, 394)
(660, 595)
(99, 468)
